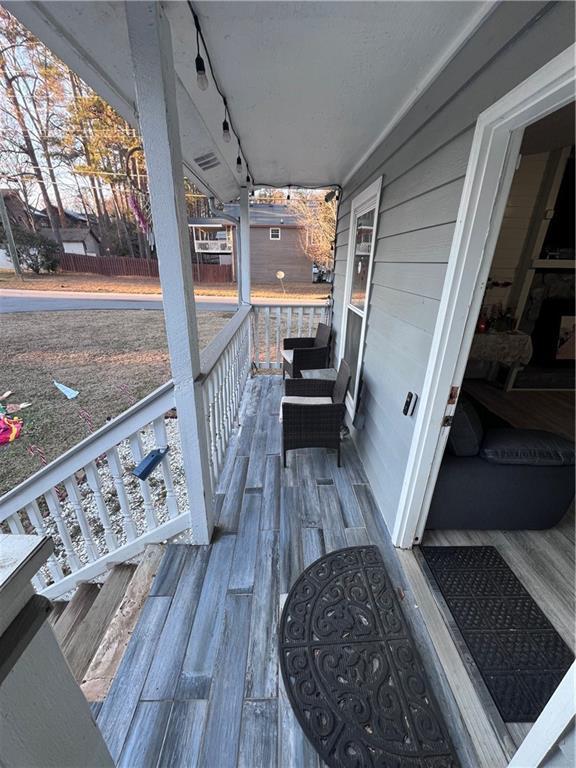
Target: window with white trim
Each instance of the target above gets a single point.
(275, 233)
(357, 289)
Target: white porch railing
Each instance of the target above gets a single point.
(274, 322)
(225, 367)
(218, 246)
(97, 512)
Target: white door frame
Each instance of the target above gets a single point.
(363, 202)
(491, 166)
(551, 726)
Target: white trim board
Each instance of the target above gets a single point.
(364, 201)
(489, 174)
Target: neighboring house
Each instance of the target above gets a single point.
(73, 218)
(79, 240)
(16, 208)
(416, 113)
(277, 242)
(213, 240)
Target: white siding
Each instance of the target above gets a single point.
(423, 162)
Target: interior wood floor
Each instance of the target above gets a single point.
(549, 410)
(199, 684)
(544, 561)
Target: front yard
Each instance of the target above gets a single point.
(113, 358)
(84, 283)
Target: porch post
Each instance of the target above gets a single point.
(244, 272)
(151, 48)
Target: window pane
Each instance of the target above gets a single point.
(352, 345)
(364, 235)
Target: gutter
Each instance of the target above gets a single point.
(221, 214)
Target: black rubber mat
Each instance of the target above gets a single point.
(352, 672)
(518, 652)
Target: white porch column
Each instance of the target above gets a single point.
(244, 272)
(151, 47)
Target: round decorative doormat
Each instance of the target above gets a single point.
(352, 672)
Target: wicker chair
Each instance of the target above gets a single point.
(306, 352)
(310, 424)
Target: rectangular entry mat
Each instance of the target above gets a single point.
(519, 654)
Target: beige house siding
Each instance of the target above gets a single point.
(270, 256)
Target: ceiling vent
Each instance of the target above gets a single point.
(207, 161)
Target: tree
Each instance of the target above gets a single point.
(20, 116)
(318, 219)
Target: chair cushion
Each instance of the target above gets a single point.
(466, 433)
(295, 400)
(288, 355)
(532, 447)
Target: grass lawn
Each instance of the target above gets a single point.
(114, 358)
(67, 281)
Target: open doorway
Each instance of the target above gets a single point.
(498, 540)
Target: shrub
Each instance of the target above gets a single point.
(35, 251)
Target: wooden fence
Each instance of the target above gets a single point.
(123, 265)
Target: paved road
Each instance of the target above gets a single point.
(44, 301)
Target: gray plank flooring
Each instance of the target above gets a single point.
(199, 684)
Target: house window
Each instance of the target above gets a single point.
(356, 295)
(274, 233)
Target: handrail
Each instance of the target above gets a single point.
(212, 353)
(87, 450)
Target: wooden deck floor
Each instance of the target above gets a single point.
(199, 683)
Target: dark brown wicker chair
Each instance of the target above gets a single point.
(306, 425)
(306, 352)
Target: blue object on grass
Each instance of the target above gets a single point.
(149, 463)
(68, 391)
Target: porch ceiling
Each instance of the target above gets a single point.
(311, 86)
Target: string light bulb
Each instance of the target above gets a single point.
(330, 196)
(238, 163)
(226, 135)
(201, 76)
(248, 180)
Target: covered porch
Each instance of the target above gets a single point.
(199, 681)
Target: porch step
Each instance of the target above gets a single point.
(58, 608)
(81, 643)
(108, 656)
(75, 611)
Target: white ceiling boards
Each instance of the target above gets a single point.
(311, 86)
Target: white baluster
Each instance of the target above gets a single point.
(35, 517)
(116, 470)
(289, 322)
(162, 443)
(95, 482)
(299, 315)
(16, 527)
(56, 511)
(278, 356)
(310, 320)
(138, 455)
(74, 499)
(267, 336)
(256, 355)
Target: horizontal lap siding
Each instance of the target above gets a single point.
(423, 163)
(287, 254)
